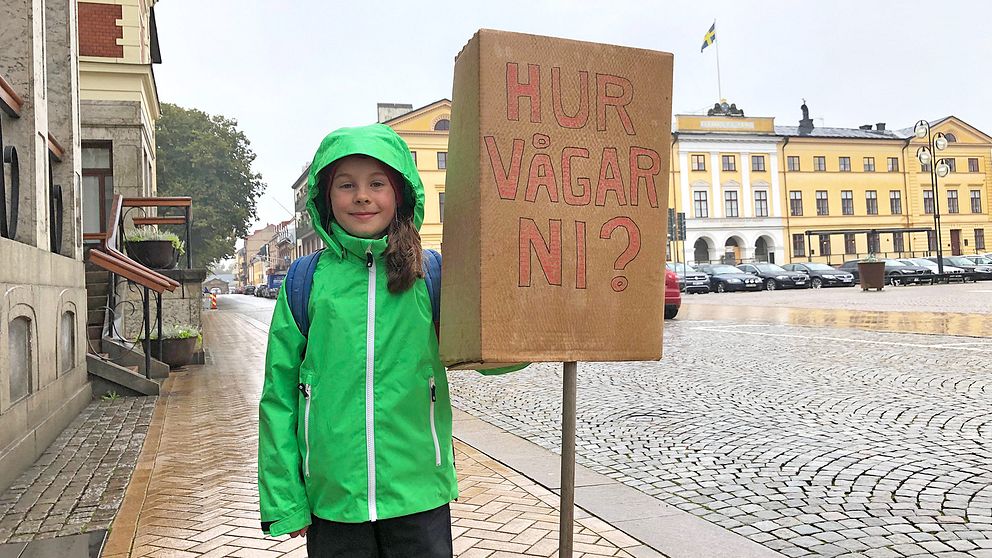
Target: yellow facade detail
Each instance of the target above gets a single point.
(828, 180)
(751, 125)
(417, 129)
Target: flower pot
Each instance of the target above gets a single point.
(156, 254)
(871, 275)
(175, 352)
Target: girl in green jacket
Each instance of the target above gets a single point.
(355, 448)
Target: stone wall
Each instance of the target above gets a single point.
(43, 380)
(180, 307)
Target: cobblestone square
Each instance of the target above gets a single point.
(813, 441)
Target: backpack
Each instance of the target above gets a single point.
(299, 280)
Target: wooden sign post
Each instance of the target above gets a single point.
(557, 198)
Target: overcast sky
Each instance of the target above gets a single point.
(291, 71)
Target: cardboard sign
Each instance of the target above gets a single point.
(557, 197)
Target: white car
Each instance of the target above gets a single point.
(954, 272)
(215, 290)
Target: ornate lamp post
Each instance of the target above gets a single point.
(925, 154)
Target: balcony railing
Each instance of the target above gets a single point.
(108, 256)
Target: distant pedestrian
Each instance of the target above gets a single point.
(355, 449)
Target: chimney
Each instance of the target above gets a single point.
(880, 126)
(865, 127)
(389, 111)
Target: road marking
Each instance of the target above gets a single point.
(845, 339)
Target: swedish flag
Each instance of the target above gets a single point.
(710, 37)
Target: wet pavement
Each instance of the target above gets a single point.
(814, 440)
(194, 489)
(77, 485)
(949, 309)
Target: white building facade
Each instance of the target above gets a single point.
(729, 188)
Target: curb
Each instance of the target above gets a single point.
(663, 528)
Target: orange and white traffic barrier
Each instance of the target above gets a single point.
(213, 301)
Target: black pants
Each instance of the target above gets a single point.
(420, 535)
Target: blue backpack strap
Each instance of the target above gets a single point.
(299, 280)
(432, 275)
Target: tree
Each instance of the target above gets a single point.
(207, 158)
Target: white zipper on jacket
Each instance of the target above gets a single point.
(437, 446)
(307, 392)
(369, 383)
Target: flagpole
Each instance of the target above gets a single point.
(719, 86)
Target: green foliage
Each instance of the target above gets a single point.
(111, 396)
(179, 331)
(153, 233)
(872, 258)
(207, 158)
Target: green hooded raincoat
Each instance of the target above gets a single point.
(355, 421)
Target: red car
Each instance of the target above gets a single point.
(673, 298)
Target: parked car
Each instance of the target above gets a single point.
(823, 275)
(673, 298)
(776, 277)
(249, 290)
(725, 278)
(977, 271)
(690, 280)
(979, 260)
(261, 291)
(955, 273)
(896, 273)
(215, 290)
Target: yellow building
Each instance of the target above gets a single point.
(854, 192)
(425, 130)
(963, 195)
(755, 191)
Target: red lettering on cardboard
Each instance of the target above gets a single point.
(610, 179)
(605, 99)
(548, 253)
(581, 116)
(542, 174)
(637, 173)
(515, 90)
(571, 198)
(506, 182)
(580, 255)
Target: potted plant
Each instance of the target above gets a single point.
(154, 248)
(871, 273)
(178, 344)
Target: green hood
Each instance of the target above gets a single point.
(378, 141)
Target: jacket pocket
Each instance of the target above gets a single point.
(437, 445)
(307, 391)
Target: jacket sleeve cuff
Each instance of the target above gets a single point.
(504, 370)
(295, 521)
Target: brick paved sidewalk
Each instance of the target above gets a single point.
(194, 490)
(77, 485)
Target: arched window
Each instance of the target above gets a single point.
(950, 137)
(67, 342)
(19, 353)
(442, 125)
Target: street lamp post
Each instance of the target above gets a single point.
(926, 155)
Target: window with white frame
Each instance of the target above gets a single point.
(700, 206)
(761, 203)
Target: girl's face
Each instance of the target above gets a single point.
(361, 197)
